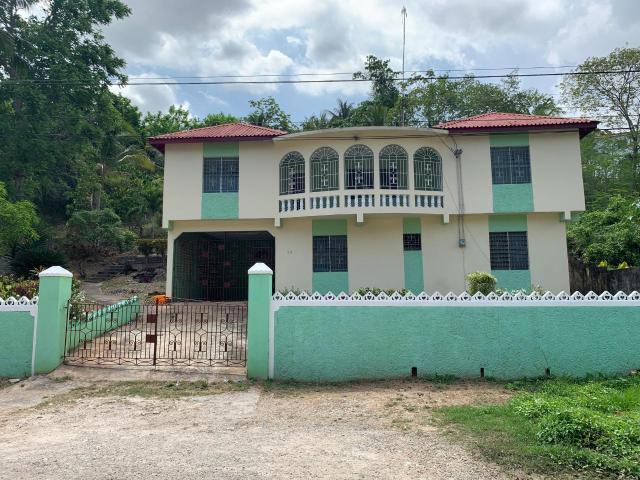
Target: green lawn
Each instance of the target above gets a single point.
(559, 426)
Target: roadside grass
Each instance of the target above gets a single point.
(558, 426)
(148, 389)
(4, 382)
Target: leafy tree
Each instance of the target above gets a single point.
(616, 95)
(611, 235)
(175, 119)
(218, 119)
(18, 220)
(384, 90)
(341, 114)
(267, 113)
(319, 122)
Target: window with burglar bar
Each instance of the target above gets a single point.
(330, 253)
(412, 241)
(220, 174)
(393, 167)
(358, 167)
(509, 250)
(324, 170)
(427, 169)
(292, 173)
(510, 165)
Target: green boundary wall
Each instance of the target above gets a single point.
(16, 343)
(335, 343)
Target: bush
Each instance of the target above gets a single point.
(147, 246)
(12, 286)
(377, 291)
(482, 282)
(35, 258)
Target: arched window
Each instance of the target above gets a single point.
(427, 169)
(358, 167)
(393, 167)
(292, 173)
(324, 170)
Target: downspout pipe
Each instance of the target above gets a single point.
(461, 239)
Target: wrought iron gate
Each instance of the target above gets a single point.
(176, 333)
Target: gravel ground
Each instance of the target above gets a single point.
(369, 430)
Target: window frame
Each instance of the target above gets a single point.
(510, 165)
(324, 158)
(514, 253)
(359, 153)
(412, 242)
(330, 253)
(292, 178)
(427, 168)
(215, 179)
(393, 163)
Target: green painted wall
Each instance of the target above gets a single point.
(16, 343)
(258, 325)
(513, 279)
(347, 343)
(507, 223)
(335, 282)
(329, 227)
(413, 266)
(512, 198)
(221, 149)
(54, 292)
(509, 140)
(220, 205)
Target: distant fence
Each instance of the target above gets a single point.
(342, 337)
(584, 278)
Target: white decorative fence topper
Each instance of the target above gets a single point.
(464, 299)
(22, 304)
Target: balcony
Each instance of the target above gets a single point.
(350, 202)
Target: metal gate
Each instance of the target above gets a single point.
(176, 333)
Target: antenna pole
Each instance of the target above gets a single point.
(403, 12)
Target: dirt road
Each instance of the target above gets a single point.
(375, 430)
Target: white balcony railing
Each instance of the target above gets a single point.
(347, 202)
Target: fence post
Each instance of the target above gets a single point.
(53, 296)
(260, 278)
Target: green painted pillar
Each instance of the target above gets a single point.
(53, 298)
(260, 278)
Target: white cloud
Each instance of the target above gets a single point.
(150, 98)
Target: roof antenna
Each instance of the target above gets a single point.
(403, 12)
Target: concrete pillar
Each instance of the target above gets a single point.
(260, 291)
(53, 297)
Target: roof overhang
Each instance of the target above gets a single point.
(160, 143)
(584, 128)
(351, 133)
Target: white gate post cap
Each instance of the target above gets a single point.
(55, 272)
(260, 269)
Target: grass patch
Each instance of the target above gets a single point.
(4, 383)
(559, 426)
(149, 389)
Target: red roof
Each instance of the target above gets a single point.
(500, 121)
(217, 133)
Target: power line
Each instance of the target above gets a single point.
(312, 81)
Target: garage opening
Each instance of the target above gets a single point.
(213, 266)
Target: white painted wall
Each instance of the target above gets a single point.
(182, 182)
(375, 252)
(556, 171)
(548, 260)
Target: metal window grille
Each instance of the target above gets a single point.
(393, 167)
(330, 253)
(324, 170)
(220, 174)
(427, 169)
(509, 250)
(412, 241)
(292, 173)
(510, 165)
(358, 168)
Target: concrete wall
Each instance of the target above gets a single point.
(334, 343)
(16, 343)
(548, 261)
(182, 197)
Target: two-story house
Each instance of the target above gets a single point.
(388, 207)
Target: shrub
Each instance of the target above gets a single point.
(482, 282)
(12, 286)
(377, 291)
(35, 258)
(147, 246)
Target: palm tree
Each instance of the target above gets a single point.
(340, 115)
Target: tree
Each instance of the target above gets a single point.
(384, 90)
(341, 114)
(18, 220)
(267, 113)
(615, 94)
(218, 119)
(319, 122)
(611, 235)
(175, 119)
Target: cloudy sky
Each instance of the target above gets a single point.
(184, 38)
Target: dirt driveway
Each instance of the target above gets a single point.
(50, 429)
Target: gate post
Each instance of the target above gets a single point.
(53, 298)
(260, 278)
